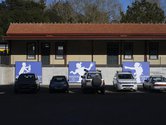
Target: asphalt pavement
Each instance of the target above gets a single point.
(77, 108)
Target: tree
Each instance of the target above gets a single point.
(143, 12)
(61, 11)
(21, 11)
(97, 11)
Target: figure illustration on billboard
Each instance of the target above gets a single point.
(80, 69)
(25, 68)
(138, 71)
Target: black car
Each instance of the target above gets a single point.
(26, 83)
(59, 83)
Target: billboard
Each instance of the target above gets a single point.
(29, 67)
(140, 70)
(76, 70)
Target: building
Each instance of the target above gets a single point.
(109, 45)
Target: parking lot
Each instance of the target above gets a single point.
(76, 108)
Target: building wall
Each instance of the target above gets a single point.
(7, 74)
(79, 51)
(162, 55)
(138, 51)
(18, 52)
(53, 60)
(100, 52)
(87, 51)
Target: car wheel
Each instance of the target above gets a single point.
(67, 91)
(144, 88)
(134, 90)
(83, 90)
(102, 91)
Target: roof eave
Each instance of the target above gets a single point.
(90, 37)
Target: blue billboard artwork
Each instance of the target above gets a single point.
(140, 70)
(76, 70)
(29, 67)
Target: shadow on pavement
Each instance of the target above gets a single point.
(74, 89)
(44, 89)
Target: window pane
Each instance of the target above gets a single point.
(59, 52)
(4, 49)
(31, 54)
(128, 53)
(153, 50)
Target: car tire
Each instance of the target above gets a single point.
(102, 91)
(67, 91)
(144, 88)
(83, 90)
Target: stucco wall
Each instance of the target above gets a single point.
(7, 74)
(79, 51)
(82, 51)
(100, 52)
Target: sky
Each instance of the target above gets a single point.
(125, 3)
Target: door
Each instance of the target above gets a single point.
(45, 53)
(113, 54)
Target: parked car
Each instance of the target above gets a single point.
(93, 80)
(124, 81)
(59, 83)
(157, 82)
(27, 83)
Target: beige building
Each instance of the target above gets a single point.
(108, 45)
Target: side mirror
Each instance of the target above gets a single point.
(85, 70)
(146, 80)
(82, 76)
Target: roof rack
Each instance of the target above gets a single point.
(97, 70)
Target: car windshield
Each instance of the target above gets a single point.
(92, 75)
(125, 76)
(59, 79)
(26, 77)
(158, 79)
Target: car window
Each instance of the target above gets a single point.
(92, 75)
(26, 77)
(59, 79)
(125, 76)
(158, 79)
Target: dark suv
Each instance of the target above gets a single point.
(26, 83)
(93, 80)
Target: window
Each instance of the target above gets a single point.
(4, 49)
(153, 50)
(128, 50)
(31, 51)
(59, 48)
